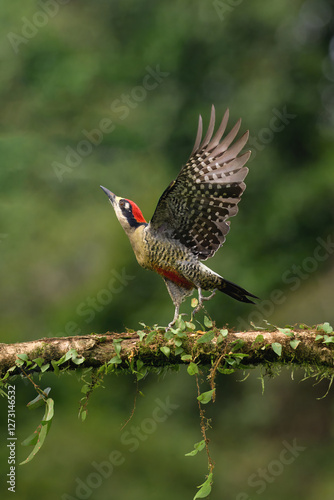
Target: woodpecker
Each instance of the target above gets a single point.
(190, 220)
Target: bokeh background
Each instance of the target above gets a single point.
(109, 93)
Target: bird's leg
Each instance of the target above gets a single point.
(200, 300)
(176, 315)
(201, 297)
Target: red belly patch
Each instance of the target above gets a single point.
(175, 277)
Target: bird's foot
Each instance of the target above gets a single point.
(172, 323)
(210, 296)
(201, 298)
(176, 315)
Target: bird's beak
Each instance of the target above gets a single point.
(110, 195)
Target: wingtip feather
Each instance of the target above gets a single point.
(198, 135)
(210, 130)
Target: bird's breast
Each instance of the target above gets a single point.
(139, 245)
(166, 257)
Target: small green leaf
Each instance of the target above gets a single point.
(45, 367)
(197, 447)
(192, 369)
(226, 371)
(23, 357)
(78, 360)
(55, 366)
(85, 388)
(190, 325)
(205, 488)
(231, 361)
(237, 344)
(141, 373)
(236, 358)
(165, 350)
(319, 337)
(207, 322)
(140, 364)
(116, 360)
(180, 323)
(286, 331)
(328, 339)
(141, 334)
(40, 433)
(150, 337)
(39, 400)
(141, 369)
(32, 439)
(181, 334)
(83, 415)
(222, 335)
(49, 412)
(38, 361)
(186, 357)
(170, 334)
(277, 348)
(294, 343)
(259, 338)
(117, 346)
(65, 357)
(73, 355)
(178, 351)
(206, 337)
(206, 397)
(191, 453)
(194, 302)
(178, 342)
(326, 327)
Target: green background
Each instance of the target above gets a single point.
(70, 68)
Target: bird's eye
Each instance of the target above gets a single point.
(125, 205)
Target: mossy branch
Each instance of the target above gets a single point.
(303, 347)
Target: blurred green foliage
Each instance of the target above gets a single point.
(69, 68)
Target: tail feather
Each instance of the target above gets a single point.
(236, 291)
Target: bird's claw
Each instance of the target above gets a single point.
(201, 298)
(172, 323)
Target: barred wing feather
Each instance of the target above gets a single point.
(195, 207)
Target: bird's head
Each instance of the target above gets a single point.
(127, 212)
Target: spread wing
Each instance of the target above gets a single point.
(195, 207)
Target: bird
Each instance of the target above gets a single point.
(190, 221)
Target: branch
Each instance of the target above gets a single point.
(287, 346)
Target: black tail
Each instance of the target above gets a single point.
(236, 291)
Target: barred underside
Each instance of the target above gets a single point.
(195, 207)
